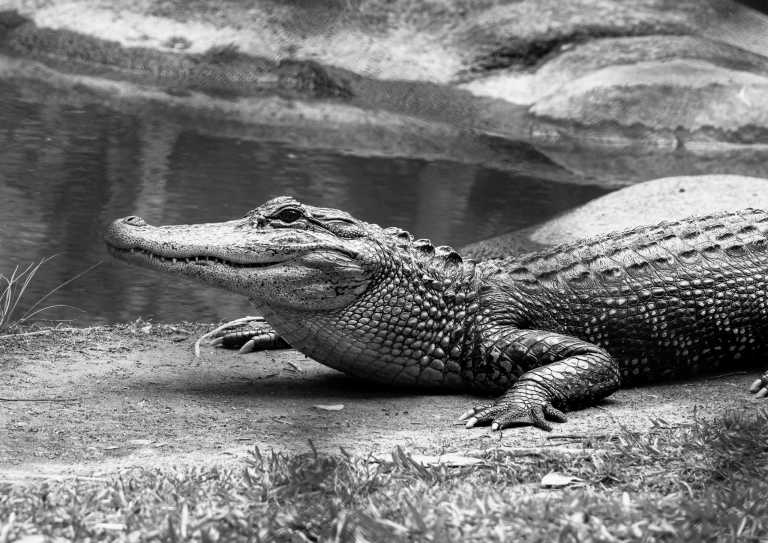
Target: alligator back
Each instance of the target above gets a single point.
(675, 298)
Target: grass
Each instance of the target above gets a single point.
(14, 287)
(704, 482)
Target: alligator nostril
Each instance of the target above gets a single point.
(133, 220)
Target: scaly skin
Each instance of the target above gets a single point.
(552, 330)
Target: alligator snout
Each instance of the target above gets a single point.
(120, 233)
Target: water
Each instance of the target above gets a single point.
(66, 171)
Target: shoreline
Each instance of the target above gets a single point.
(134, 394)
(444, 66)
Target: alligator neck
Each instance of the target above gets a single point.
(411, 328)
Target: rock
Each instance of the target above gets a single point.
(652, 84)
(655, 201)
(657, 75)
(661, 104)
(503, 245)
(574, 61)
(645, 203)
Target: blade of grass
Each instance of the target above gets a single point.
(26, 276)
(9, 301)
(56, 288)
(15, 287)
(8, 297)
(28, 316)
(14, 296)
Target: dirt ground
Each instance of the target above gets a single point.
(96, 400)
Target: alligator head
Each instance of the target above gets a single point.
(283, 254)
(353, 295)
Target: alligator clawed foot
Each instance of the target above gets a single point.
(504, 414)
(760, 386)
(247, 334)
(469, 416)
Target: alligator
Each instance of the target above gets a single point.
(548, 331)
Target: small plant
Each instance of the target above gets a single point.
(13, 287)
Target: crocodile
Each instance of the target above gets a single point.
(548, 331)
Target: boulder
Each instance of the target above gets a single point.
(655, 201)
(644, 203)
(666, 104)
(653, 75)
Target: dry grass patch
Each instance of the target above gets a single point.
(704, 482)
(13, 288)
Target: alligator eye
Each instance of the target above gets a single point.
(289, 215)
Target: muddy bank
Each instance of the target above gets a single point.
(96, 399)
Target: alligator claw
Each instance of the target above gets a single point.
(467, 414)
(514, 411)
(760, 386)
(247, 334)
(474, 416)
(536, 416)
(248, 347)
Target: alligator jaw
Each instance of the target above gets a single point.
(182, 248)
(277, 266)
(179, 263)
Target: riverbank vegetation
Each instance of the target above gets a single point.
(13, 289)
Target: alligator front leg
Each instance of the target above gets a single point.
(247, 334)
(566, 372)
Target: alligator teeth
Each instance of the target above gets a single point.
(205, 259)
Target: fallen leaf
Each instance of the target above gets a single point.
(554, 479)
(332, 407)
(32, 538)
(109, 526)
(450, 459)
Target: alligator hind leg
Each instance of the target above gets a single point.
(566, 372)
(760, 387)
(247, 334)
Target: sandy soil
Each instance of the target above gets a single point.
(100, 399)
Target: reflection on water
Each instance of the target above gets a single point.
(67, 171)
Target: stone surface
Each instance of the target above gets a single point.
(664, 103)
(652, 74)
(655, 201)
(645, 203)
(576, 61)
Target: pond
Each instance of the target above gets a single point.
(66, 171)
